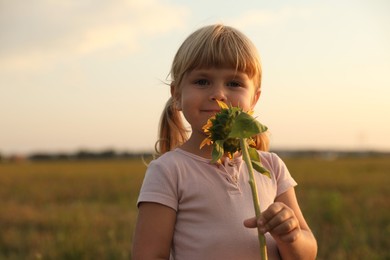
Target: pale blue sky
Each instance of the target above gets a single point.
(90, 74)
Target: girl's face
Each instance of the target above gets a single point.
(201, 87)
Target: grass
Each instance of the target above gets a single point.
(86, 209)
(68, 210)
(346, 204)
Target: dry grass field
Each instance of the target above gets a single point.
(86, 209)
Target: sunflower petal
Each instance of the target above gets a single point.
(208, 125)
(206, 141)
(222, 104)
(251, 142)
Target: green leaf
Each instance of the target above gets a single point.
(218, 151)
(245, 126)
(256, 163)
(253, 154)
(260, 168)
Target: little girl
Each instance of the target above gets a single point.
(190, 209)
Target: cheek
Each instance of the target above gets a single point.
(185, 104)
(245, 101)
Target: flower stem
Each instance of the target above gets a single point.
(252, 183)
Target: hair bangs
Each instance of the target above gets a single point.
(226, 51)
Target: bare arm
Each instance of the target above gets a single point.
(285, 222)
(153, 232)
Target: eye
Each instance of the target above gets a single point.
(234, 84)
(202, 82)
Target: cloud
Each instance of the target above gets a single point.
(265, 18)
(44, 33)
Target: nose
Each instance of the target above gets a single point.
(218, 93)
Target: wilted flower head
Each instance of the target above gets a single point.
(225, 129)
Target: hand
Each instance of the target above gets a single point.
(279, 220)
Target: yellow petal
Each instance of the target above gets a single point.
(208, 125)
(252, 142)
(222, 104)
(206, 141)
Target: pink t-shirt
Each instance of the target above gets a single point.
(212, 201)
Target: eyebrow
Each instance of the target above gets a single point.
(205, 73)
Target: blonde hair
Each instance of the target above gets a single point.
(217, 46)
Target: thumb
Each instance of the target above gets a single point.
(250, 222)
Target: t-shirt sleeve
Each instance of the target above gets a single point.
(159, 186)
(283, 177)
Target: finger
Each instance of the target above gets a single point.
(271, 211)
(281, 221)
(250, 222)
(285, 227)
(291, 236)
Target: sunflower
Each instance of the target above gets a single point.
(224, 130)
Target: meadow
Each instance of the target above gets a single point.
(87, 209)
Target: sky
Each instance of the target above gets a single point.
(93, 74)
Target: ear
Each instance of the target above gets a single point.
(175, 97)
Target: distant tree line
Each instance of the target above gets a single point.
(112, 154)
(79, 155)
(330, 154)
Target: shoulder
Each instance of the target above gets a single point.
(160, 183)
(178, 162)
(171, 159)
(276, 165)
(163, 163)
(271, 159)
(168, 176)
(166, 157)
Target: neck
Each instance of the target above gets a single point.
(192, 145)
